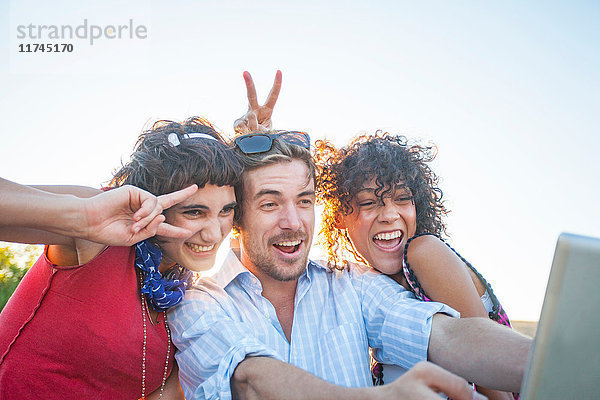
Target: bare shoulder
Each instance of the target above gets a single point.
(426, 249)
(444, 277)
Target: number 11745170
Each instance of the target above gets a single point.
(45, 48)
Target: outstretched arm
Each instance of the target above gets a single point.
(121, 216)
(75, 190)
(258, 118)
(267, 378)
(446, 279)
(479, 350)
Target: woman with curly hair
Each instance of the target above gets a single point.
(88, 320)
(383, 207)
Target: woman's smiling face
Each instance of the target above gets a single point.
(379, 229)
(208, 214)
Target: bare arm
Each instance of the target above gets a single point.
(267, 378)
(446, 279)
(479, 350)
(37, 235)
(75, 190)
(122, 216)
(30, 208)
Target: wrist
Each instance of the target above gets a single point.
(69, 216)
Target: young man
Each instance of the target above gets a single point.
(272, 324)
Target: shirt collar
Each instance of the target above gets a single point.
(232, 268)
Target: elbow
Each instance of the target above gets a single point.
(241, 389)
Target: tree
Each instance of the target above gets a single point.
(15, 261)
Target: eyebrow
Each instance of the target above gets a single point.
(233, 204)
(368, 190)
(307, 193)
(404, 189)
(278, 193)
(203, 207)
(194, 206)
(264, 192)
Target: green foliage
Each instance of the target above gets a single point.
(15, 261)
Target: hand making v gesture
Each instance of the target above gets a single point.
(127, 215)
(118, 217)
(258, 118)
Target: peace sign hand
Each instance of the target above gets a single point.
(258, 118)
(126, 215)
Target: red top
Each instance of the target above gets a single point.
(77, 333)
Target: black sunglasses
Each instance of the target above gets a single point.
(253, 143)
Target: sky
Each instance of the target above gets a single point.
(507, 91)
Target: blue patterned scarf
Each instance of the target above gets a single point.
(161, 292)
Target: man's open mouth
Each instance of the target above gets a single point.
(288, 246)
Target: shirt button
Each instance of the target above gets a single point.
(266, 315)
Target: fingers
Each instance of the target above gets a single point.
(149, 210)
(274, 94)
(248, 123)
(149, 230)
(251, 91)
(240, 126)
(158, 227)
(170, 199)
(451, 385)
(152, 207)
(148, 203)
(172, 231)
(252, 122)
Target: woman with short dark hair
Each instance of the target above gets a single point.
(89, 319)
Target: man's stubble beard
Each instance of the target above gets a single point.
(265, 263)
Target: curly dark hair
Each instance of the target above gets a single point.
(392, 162)
(165, 159)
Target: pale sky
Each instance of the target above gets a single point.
(508, 91)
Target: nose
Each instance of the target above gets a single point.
(290, 219)
(211, 232)
(389, 211)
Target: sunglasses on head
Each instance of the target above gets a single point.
(253, 143)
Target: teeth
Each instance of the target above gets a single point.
(197, 248)
(388, 235)
(290, 244)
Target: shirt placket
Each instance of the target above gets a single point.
(295, 352)
(266, 313)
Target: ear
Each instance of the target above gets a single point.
(339, 221)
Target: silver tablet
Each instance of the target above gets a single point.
(565, 360)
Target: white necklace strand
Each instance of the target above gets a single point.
(144, 308)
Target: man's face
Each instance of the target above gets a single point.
(278, 219)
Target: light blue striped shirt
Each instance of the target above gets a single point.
(337, 317)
